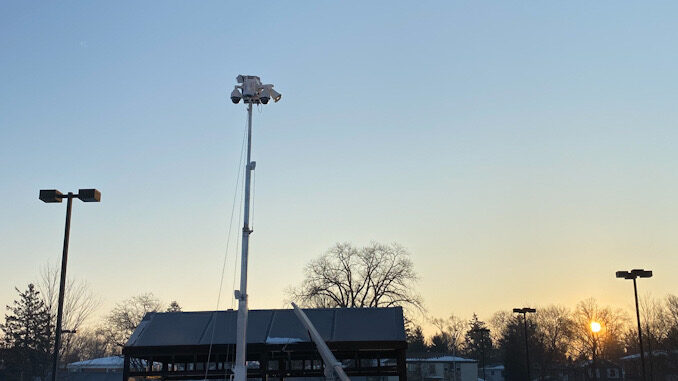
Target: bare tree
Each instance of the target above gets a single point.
(672, 306)
(373, 276)
(499, 323)
(555, 327)
(126, 316)
(554, 332)
(79, 303)
(452, 330)
(656, 319)
(89, 344)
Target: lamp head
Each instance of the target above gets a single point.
(640, 273)
(50, 195)
(275, 95)
(89, 195)
(624, 275)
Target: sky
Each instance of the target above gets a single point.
(521, 151)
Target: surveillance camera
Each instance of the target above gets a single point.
(236, 96)
(265, 96)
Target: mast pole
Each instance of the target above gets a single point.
(239, 368)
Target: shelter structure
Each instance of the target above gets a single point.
(197, 345)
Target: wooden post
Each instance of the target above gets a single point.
(402, 365)
(125, 369)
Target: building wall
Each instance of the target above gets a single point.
(492, 374)
(441, 371)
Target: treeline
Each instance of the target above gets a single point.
(27, 333)
(559, 337)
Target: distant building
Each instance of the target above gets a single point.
(604, 370)
(100, 365)
(441, 368)
(100, 369)
(493, 373)
(661, 365)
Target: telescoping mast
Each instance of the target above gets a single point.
(251, 91)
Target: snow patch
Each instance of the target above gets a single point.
(282, 340)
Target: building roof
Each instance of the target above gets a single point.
(113, 362)
(268, 327)
(636, 356)
(439, 359)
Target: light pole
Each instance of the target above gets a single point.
(525, 311)
(633, 274)
(251, 91)
(482, 332)
(52, 196)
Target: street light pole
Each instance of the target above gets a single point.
(633, 275)
(251, 91)
(640, 331)
(525, 311)
(54, 196)
(62, 285)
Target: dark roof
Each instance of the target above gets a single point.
(269, 327)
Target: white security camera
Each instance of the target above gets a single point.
(236, 96)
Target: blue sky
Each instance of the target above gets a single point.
(522, 151)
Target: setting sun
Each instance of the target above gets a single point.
(595, 327)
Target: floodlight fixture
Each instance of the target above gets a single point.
(640, 273)
(623, 275)
(275, 95)
(50, 195)
(89, 195)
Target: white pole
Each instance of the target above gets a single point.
(332, 366)
(239, 368)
